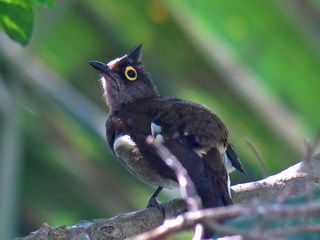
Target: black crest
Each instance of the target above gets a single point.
(135, 54)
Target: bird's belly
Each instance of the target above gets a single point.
(129, 155)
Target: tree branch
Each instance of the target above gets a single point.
(187, 220)
(301, 178)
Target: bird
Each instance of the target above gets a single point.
(195, 135)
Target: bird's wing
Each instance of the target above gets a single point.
(199, 128)
(192, 123)
(197, 137)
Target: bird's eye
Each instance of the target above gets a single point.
(131, 73)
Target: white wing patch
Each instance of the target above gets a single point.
(155, 131)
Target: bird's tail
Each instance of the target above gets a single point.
(216, 193)
(213, 202)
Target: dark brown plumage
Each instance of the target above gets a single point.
(194, 134)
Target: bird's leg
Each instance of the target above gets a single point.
(154, 203)
(153, 199)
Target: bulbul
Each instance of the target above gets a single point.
(190, 131)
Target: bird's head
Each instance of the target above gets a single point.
(124, 80)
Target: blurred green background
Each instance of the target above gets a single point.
(254, 63)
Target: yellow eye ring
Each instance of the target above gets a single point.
(131, 73)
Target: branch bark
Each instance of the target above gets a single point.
(301, 178)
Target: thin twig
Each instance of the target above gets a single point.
(255, 151)
(186, 186)
(311, 147)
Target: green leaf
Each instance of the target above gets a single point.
(16, 19)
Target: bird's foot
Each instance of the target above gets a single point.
(154, 203)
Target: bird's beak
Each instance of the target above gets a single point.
(101, 67)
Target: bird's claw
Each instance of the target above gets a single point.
(154, 203)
